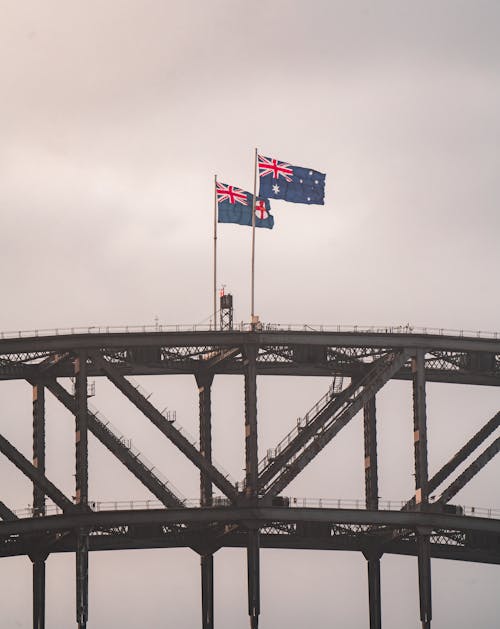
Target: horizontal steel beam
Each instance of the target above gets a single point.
(237, 339)
(118, 541)
(259, 516)
(26, 371)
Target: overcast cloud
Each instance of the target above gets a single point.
(114, 118)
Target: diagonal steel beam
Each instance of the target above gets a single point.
(304, 434)
(6, 514)
(118, 448)
(464, 452)
(329, 425)
(175, 436)
(35, 475)
(469, 473)
(448, 468)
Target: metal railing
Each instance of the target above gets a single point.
(364, 384)
(248, 327)
(171, 417)
(288, 502)
(302, 422)
(116, 435)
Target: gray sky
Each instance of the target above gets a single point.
(114, 118)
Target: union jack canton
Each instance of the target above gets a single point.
(235, 206)
(231, 194)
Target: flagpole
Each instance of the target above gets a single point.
(215, 252)
(253, 240)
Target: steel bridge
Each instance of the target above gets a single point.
(254, 512)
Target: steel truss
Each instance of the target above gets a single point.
(252, 513)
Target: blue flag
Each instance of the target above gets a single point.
(279, 180)
(235, 206)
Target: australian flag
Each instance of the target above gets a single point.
(235, 206)
(279, 180)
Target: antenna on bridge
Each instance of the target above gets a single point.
(226, 309)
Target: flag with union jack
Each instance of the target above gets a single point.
(279, 180)
(235, 206)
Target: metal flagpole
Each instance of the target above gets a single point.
(215, 252)
(253, 240)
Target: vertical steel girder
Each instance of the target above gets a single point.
(424, 578)
(207, 591)
(251, 483)
(251, 446)
(371, 497)
(38, 444)
(81, 431)
(175, 436)
(253, 565)
(421, 485)
(204, 381)
(82, 578)
(38, 569)
(371, 461)
(118, 449)
(39, 594)
(420, 429)
(81, 487)
(374, 600)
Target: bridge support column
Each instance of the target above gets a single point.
(251, 482)
(204, 382)
(82, 578)
(207, 591)
(424, 578)
(81, 487)
(421, 485)
(253, 563)
(39, 593)
(371, 497)
(38, 503)
(373, 562)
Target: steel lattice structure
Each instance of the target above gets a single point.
(253, 513)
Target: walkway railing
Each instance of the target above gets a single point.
(247, 327)
(334, 389)
(171, 417)
(146, 464)
(286, 502)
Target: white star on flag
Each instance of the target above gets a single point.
(276, 188)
